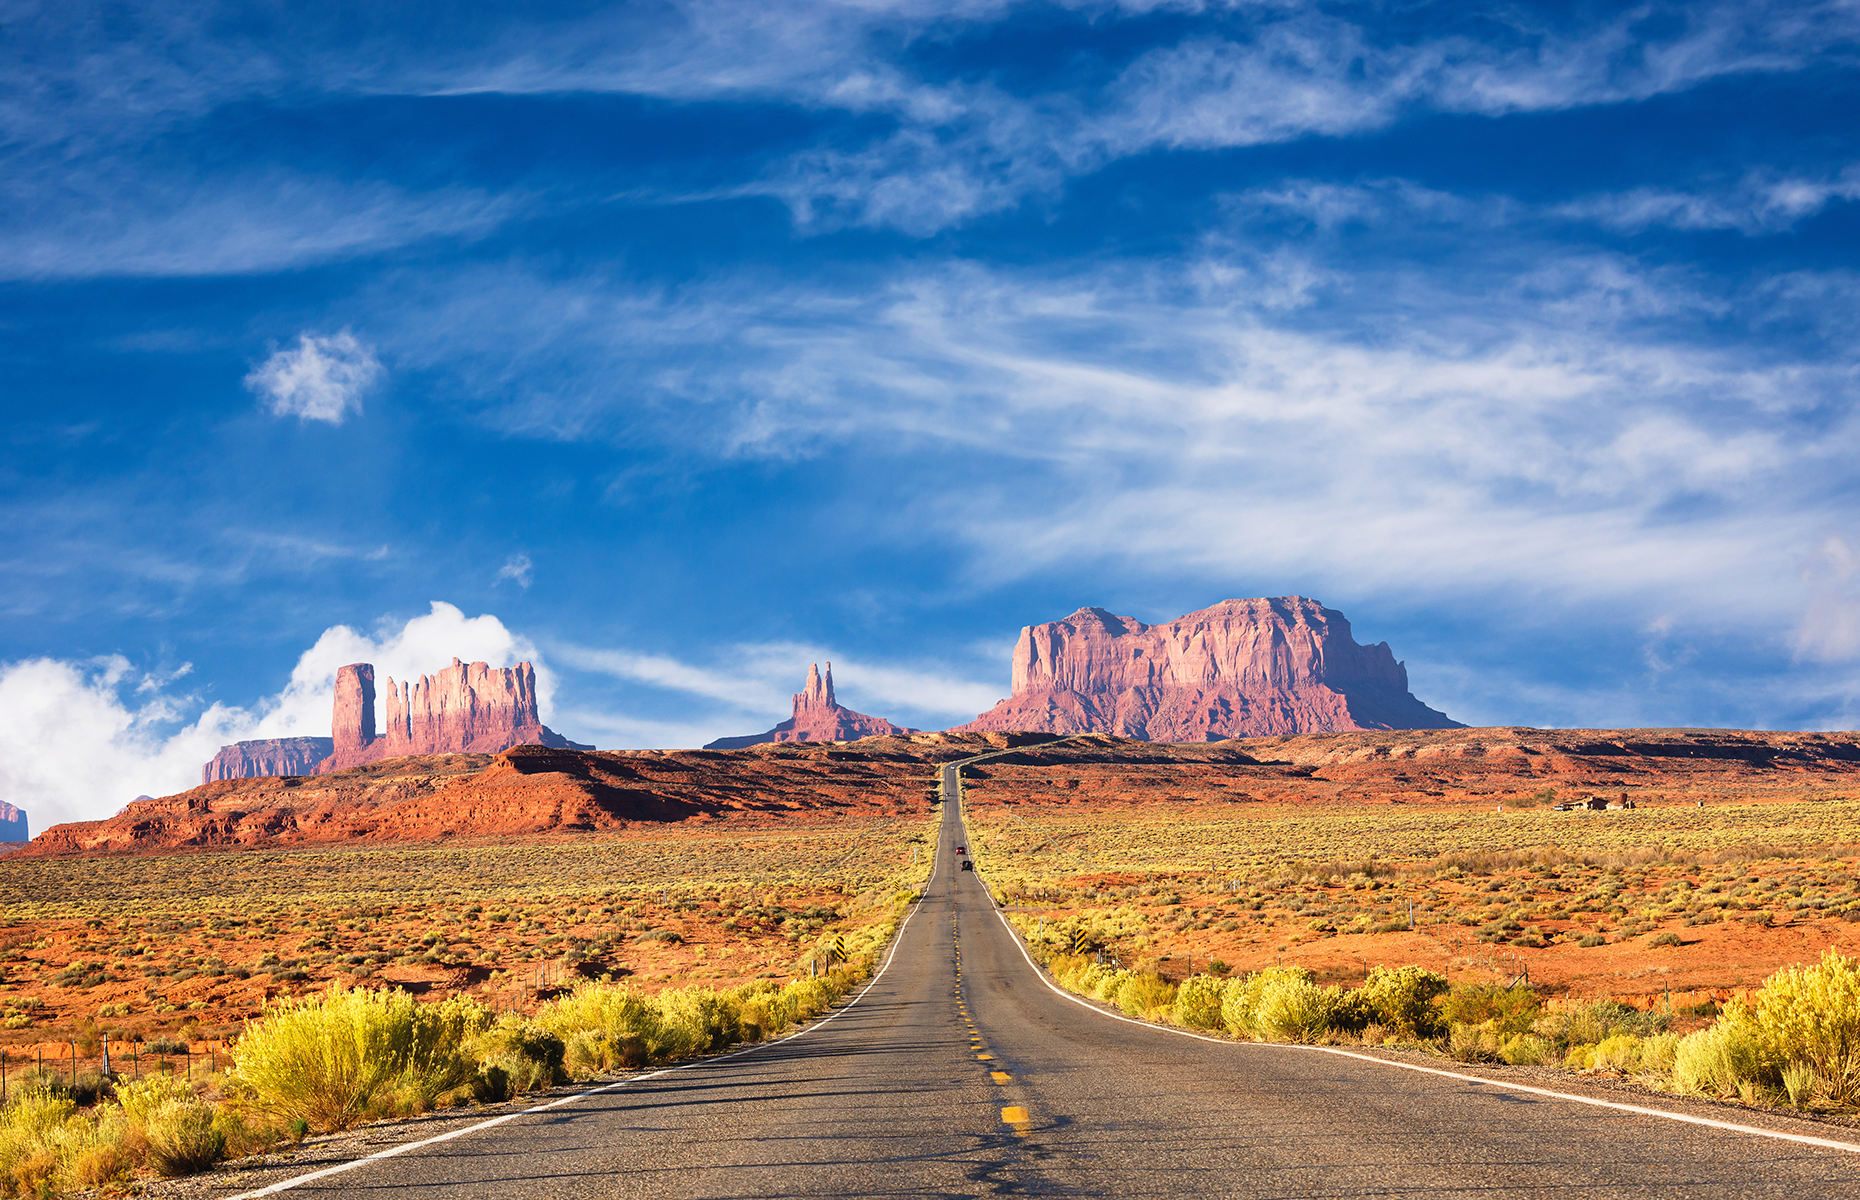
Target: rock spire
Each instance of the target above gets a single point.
(467, 707)
(818, 717)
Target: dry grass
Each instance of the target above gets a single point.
(192, 945)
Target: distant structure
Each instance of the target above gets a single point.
(13, 824)
(271, 756)
(1241, 668)
(465, 708)
(818, 717)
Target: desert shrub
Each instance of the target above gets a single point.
(697, 1020)
(330, 1059)
(1141, 995)
(1593, 1023)
(1657, 1053)
(1281, 1004)
(1723, 1060)
(1618, 1052)
(1198, 1003)
(35, 1127)
(1811, 1015)
(182, 1137)
(1511, 1009)
(1403, 999)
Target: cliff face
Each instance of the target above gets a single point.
(1242, 668)
(467, 708)
(271, 756)
(13, 824)
(818, 717)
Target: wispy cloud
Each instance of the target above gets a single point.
(518, 569)
(756, 682)
(1579, 429)
(319, 379)
(1763, 203)
(912, 148)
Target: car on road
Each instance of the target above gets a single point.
(962, 849)
(968, 864)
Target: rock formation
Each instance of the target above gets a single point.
(818, 717)
(13, 824)
(1243, 668)
(467, 708)
(270, 756)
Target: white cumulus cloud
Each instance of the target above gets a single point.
(79, 739)
(319, 379)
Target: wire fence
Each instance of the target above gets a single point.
(66, 1065)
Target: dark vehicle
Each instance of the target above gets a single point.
(968, 865)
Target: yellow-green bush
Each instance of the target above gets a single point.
(169, 1125)
(37, 1133)
(604, 1025)
(1281, 1004)
(1146, 995)
(1724, 1060)
(1403, 999)
(1619, 1052)
(515, 1055)
(1811, 1015)
(1198, 1003)
(1510, 1009)
(338, 1058)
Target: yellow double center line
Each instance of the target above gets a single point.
(1012, 1114)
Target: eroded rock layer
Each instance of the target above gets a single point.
(818, 717)
(467, 708)
(269, 756)
(1242, 668)
(529, 790)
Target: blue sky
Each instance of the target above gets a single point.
(679, 345)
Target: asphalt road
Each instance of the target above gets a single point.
(959, 1072)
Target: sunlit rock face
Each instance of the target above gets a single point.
(269, 756)
(470, 708)
(1242, 668)
(467, 708)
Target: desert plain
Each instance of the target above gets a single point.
(512, 876)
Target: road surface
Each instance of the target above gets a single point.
(960, 1072)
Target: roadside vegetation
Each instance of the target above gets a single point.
(1795, 1042)
(1663, 946)
(537, 965)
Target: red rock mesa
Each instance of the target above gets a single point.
(270, 756)
(818, 717)
(1243, 668)
(467, 707)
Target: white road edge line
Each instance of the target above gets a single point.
(897, 939)
(1637, 1109)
